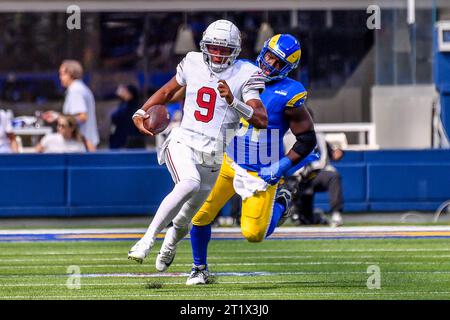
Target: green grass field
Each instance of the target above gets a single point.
(289, 269)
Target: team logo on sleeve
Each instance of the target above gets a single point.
(281, 92)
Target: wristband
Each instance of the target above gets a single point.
(139, 113)
(244, 109)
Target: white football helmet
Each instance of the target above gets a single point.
(221, 33)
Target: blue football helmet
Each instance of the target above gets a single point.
(287, 49)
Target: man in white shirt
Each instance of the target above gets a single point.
(8, 141)
(79, 101)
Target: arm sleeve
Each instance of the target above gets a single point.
(253, 87)
(6, 123)
(181, 75)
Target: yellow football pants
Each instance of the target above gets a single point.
(256, 210)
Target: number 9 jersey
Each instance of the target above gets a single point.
(208, 123)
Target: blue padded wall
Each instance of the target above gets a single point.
(132, 182)
(31, 182)
(103, 183)
(394, 180)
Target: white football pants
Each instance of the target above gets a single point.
(194, 174)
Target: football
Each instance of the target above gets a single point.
(159, 119)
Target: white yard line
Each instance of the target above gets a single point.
(220, 274)
(137, 283)
(233, 294)
(262, 263)
(64, 251)
(217, 258)
(305, 230)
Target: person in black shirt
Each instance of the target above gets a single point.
(124, 134)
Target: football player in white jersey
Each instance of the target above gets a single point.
(219, 91)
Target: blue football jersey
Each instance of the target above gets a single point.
(254, 148)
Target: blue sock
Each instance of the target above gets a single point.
(278, 210)
(200, 236)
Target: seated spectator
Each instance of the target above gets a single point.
(8, 143)
(67, 138)
(124, 133)
(318, 176)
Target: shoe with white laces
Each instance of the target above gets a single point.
(336, 219)
(139, 251)
(164, 259)
(285, 197)
(199, 275)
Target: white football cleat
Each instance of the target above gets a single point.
(336, 219)
(199, 275)
(139, 251)
(164, 259)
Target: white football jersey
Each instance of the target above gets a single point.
(208, 122)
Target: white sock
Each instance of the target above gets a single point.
(173, 236)
(170, 207)
(182, 221)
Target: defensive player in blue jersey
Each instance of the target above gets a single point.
(256, 161)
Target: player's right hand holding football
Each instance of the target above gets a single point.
(138, 118)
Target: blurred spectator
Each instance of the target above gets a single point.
(319, 176)
(67, 138)
(8, 143)
(79, 101)
(124, 133)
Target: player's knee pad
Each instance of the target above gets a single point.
(188, 187)
(180, 225)
(253, 235)
(203, 219)
(195, 185)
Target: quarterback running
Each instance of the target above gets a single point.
(219, 91)
(256, 161)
